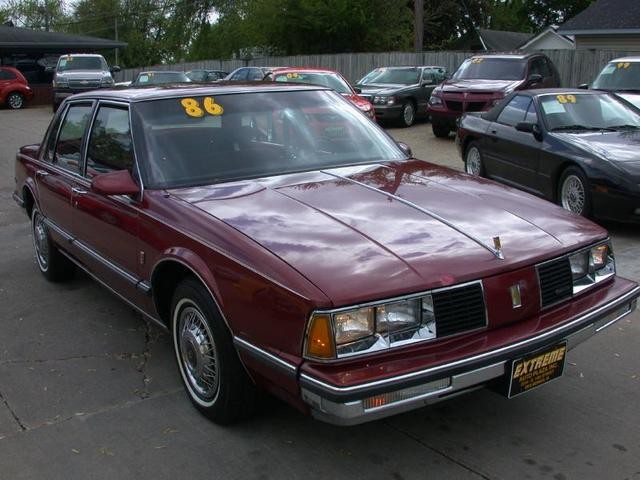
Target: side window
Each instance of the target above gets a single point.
(531, 116)
(52, 136)
(256, 74)
(240, 74)
(7, 75)
(68, 153)
(110, 146)
(514, 111)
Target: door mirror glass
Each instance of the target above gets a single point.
(406, 149)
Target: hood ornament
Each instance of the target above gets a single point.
(497, 245)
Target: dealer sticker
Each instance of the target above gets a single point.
(536, 369)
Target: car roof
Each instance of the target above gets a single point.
(518, 56)
(81, 55)
(539, 92)
(303, 69)
(159, 92)
(411, 66)
(159, 71)
(626, 59)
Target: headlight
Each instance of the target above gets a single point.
(435, 101)
(60, 82)
(591, 266)
(106, 81)
(369, 329)
(391, 100)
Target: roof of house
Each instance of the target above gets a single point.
(18, 39)
(499, 40)
(549, 31)
(604, 17)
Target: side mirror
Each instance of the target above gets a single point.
(533, 79)
(119, 182)
(406, 149)
(584, 86)
(114, 69)
(358, 90)
(50, 68)
(532, 128)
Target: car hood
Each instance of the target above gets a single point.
(383, 88)
(479, 85)
(376, 231)
(84, 74)
(621, 148)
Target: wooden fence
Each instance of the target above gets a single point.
(575, 66)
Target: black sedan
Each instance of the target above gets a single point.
(400, 94)
(578, 148)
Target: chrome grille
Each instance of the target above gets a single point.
(459, 309)
(556, 282)
(79, 84)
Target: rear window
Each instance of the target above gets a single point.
(398, 76)
(323, 79)
(487, 68)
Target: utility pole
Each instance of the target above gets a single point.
(116, 29)
(418, 25)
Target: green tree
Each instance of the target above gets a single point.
(36, 14)
(543, 13)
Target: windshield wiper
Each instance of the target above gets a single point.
(625, 127)
(582, 127)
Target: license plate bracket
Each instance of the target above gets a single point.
(536, 369)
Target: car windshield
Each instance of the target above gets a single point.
(330, 80)
(619, 76)
(487, 68)
(587, 112)
(81, 63)
(399, 76)
(158, 78)
(203, 140)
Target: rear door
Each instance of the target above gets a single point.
(59, 173)
(106, 227)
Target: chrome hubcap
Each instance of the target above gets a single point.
(408, 114)
(15, 101)
(40, 242)
(198, 353)
(573, 194)
(473, 161)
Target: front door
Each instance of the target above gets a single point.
(106, 227)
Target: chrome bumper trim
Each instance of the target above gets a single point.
(265, 356)
(326, 407)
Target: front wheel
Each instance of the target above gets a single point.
(211, 371)
(52, 264)
(440, 131)
(473, 160)
(15, 100)
(408, 114)
(573, 192)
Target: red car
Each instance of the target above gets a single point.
(14, 88)
(289, 244)
(325, 78)
(482, 81)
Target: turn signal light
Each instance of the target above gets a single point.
(320, 338)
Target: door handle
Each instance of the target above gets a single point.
(78, 191)
(42, 173)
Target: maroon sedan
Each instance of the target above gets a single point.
(289, 244)
(14, 88)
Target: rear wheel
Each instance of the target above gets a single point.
(15, 100)
(440, 130)
(52, 264)
(211, 371)
(473, 160)
(573, 192)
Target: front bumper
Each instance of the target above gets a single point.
(616, 205)
(354, 404)
(388, 112)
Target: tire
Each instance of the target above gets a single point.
(15, 100)
(215, 381)
(408, 115)
(440, 131)
(52, 264)
(473, 164)
(573, 192)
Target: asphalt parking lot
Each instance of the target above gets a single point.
(89, 390)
